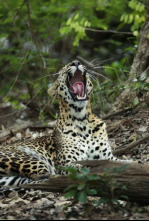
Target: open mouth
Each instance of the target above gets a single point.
(77, 85)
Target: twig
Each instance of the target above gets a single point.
(116, 113)
(33, 35)
(12, 113)
(17, 74)
(14, 130)
(89, 64)
(109, 31)
(130, 146)
(18, 11)
(8, 67)
(35, 128)
(27, 104)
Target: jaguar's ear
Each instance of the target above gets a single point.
(52, 91)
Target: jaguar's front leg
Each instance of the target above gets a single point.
(67, 157)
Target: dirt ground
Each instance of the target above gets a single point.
(123, 129)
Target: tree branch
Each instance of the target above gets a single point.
(18, 11)
(33, 35)
(109, 31)
(130, 146)
(17, 76)
(113, 114)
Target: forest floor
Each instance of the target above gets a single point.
(123, 129)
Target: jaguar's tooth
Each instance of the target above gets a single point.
(78, 97)
(81, 98)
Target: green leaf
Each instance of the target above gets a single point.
(71, 170)
(81, 186)
(136, 101)
(92, 192)
(125, 188)
(73, 186)
(136, 33)
(70, 194)
(65, 30)
(93, 177)
(102, 201)
(124, 197)
(80, 176)
(115, 201)
(82, 197)
(76, 16)
(85, 171)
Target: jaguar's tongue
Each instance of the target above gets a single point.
(78, 88)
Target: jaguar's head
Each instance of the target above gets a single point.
(73, 84)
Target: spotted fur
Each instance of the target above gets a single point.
(78, 135)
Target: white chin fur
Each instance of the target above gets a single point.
(80, 103)
(80, 67)
(73, 70)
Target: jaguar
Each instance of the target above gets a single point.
(78, 135)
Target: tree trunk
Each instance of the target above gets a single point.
(139, 68)
(134, 176)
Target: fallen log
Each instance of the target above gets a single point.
(134, 176)
(14, 130)
(19, 128)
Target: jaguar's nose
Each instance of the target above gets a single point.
(75, 63)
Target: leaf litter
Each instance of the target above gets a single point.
(38, 205)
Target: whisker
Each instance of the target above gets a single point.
(94, 60)
(94, 78)
(109, 59)
(104, 67)
(98, 74)
(101, 62)
(104, 61)
(47, 76)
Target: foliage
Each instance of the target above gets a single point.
(86, 186)
(78, 24)
(140, 87)
(56, 32)
(136, 17)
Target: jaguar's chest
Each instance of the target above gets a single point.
(89, 145)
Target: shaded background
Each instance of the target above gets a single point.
(38, 37)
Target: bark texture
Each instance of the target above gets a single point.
(139, 68)
(135, 177)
